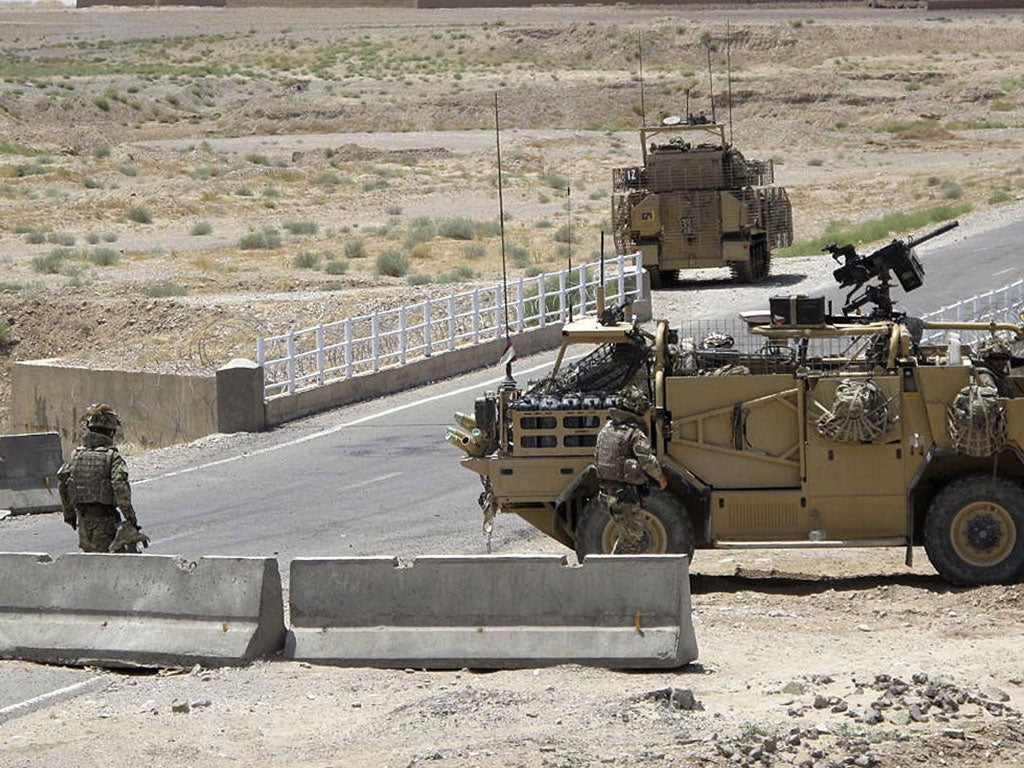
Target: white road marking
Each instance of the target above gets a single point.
(336, 428)
(37, 702)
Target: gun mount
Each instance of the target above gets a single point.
(856, 272)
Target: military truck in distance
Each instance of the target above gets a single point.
(806, 430)
(696, 202)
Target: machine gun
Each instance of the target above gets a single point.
(898, 257)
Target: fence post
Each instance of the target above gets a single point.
(291, 362)
(451, 324)
(348, 348)
(476, 315)
(426, 329)
(402, 327)
(583, 289)
(562, 297)
(320, 354)
(620, 266)
(520, 307)
(500, 307)
(542, 307)
(375, 341)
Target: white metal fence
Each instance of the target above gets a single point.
(311, 357)
(1000, 305)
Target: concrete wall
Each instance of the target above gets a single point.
(157, 409)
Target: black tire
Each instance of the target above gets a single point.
(669, 529)
(757, 269)
(974, 531)
(661, 277)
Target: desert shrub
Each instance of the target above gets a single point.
(421, 251)
(128, 170)
(474, 251)
(244, 192)
(104, 257)
(950, 190)
(109, 237)
(61, 238)
(336, 267)
(91, 183)
(459, 228)
(394, 210)
(101, 152)
(301, 227)
(355, 249)
(307, 260)
(544, 224)
(201, 228)
(140, 214)
(51, 263)
(164, 289)
(92, 238)
(553, 180)
(421, 229)
(371, 185)
(35, 237)
(266, 238)
(257, 159)
(418, 279)
(459, 274)
(519, 254)
(564, 234)
(327, 179)
(392, 263)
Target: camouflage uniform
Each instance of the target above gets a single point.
(93, 485)
(996, 354)
(624, 462)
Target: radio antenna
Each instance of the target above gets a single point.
(711, 83)
(501, 216)
(640, 55)
(568, 215)
(728, 69)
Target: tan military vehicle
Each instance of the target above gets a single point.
(696, 202)
(798, 428)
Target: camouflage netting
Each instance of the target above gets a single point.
(860, 413)
(976, 421)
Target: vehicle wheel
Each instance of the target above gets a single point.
(655, 278)
(743, 271)
(974, 531)
(668, 529)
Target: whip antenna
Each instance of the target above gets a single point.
(501, 217)
(510, 353)
(728, 69)
(568, 226)
(640, 55)
(711, 84)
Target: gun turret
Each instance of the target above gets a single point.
(897, 257)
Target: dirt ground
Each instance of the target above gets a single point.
(140, 148)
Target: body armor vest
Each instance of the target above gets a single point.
(90, 476)
(615, 459)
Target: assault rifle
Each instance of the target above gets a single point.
(897, 257)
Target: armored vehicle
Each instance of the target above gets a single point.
(792, 428)
(696, 202)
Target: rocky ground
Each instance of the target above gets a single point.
(145, 156)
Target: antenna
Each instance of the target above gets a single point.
(640, 53)
(509, 382)
(728, 69)
(568, 214)
(711, 84)
(600, 282)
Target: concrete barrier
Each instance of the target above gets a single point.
(28, 472)
(446, 612)
(139, 610)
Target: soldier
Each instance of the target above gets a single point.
(996, 355)
(93, 486)
(624, 462)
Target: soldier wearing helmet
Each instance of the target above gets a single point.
(624, 462)
(93, 487)
(996, 355)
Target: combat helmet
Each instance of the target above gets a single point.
(995, 346)
(101, 418)
(633, 399)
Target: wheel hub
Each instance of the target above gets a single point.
(654, 542)
(983, 533)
